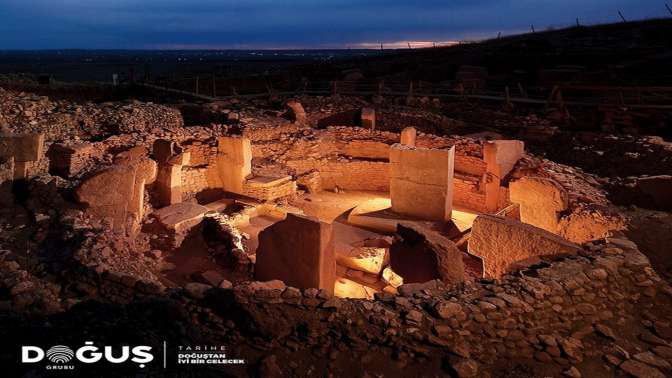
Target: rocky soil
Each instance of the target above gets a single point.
(67, 121)
(612, 318)
(605, 312)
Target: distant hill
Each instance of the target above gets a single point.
(630, 53)
(625, 53)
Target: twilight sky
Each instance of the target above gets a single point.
(171, 24)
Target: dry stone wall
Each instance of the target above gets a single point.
(467, 193)
(307, 150)
(201, 171)
(283, 189)
(349, 175)
(69, 160)
(560, 314)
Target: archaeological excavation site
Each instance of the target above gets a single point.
(497, 209)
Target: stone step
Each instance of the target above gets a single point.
(181, 217)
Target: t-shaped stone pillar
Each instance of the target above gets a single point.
(117, 193)
(408, 136)
(500, 157)
(234, 162)
(169, 177)
(421, 182)
(6, 178)
(368, 118)
(296, 112)
(26, 149)
(298, 251)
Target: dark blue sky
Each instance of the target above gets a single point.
(152, 24)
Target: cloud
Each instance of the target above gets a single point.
(279, 23)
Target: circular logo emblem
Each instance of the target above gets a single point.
(60, 354)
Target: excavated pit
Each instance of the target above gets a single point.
(272, 230)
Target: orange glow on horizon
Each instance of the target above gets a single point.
(359, 45)
(403, 44)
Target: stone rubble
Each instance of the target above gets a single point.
(600, 305)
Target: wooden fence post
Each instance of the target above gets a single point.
(461, 91)
(561, 101)
(304, 85)
(214, 86)
(622, 17)
(522, 91)
(507, 94)
(551, 97)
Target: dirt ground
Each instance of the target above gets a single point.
(652, 232)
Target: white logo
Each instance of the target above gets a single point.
(88, 354)
(60, 354)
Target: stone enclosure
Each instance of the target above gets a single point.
(445, 189)
(470, 244)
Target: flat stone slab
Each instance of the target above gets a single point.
(366, 258)
(375, 214)
(181, 216)
(346, 288)
(220, 205)
(267, 181)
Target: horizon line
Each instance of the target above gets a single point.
(358, 46)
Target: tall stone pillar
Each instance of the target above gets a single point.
(296, 112)
(408, 136)
(421, 182)
(117, 193)
(368, 118)
(299, 251)
(6, 178)
(169, 177)
(27, 150)
(234, 162)
(500, 157)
